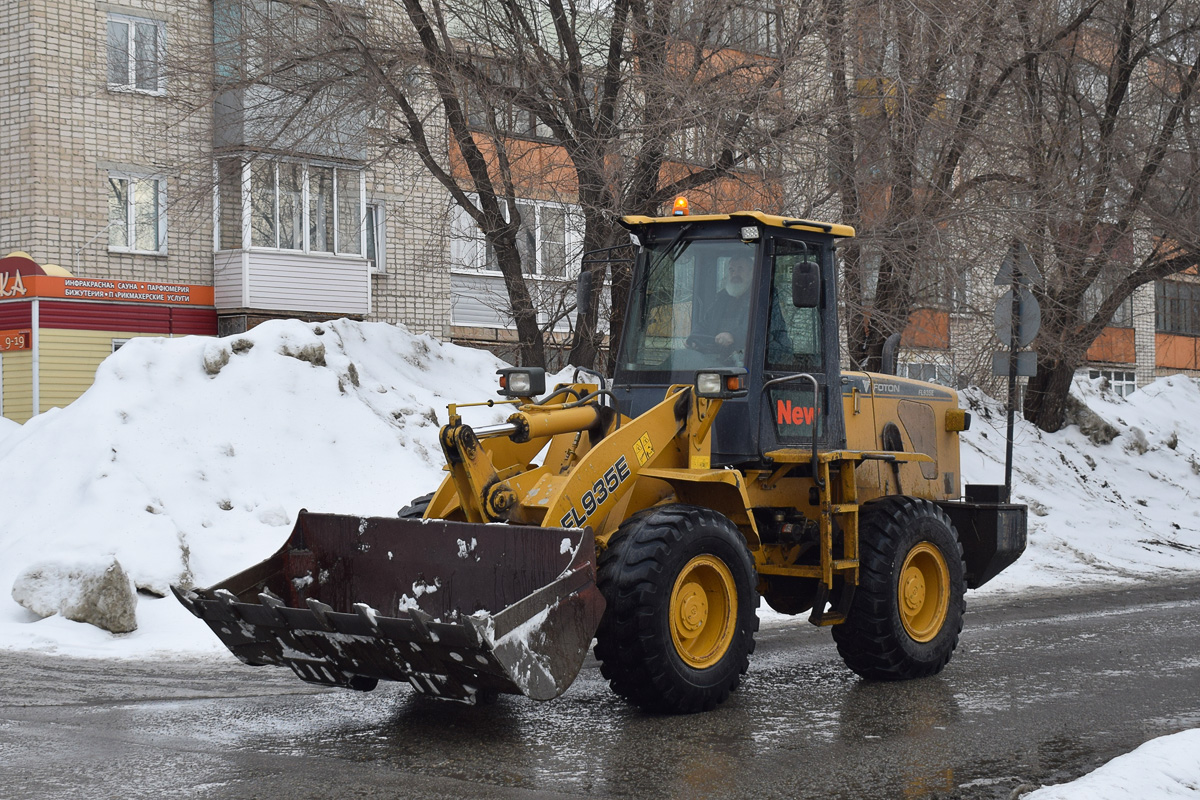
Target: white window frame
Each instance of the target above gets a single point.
(468, 245)
(375, 218)
(247, 188)
(117, 344)
(754, 28)
(160, 216)
(943, 373)
(1121, 381)
(160, 47)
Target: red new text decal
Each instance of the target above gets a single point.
(787, 414)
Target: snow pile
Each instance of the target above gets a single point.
(7, 427)
(189, 459)
(1165, 767)
(1125, 510)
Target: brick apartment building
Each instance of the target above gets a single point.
(106, 179)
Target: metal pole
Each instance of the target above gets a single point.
(1014, 339)
(35, 334)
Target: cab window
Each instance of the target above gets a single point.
(692, 309)
(793, 334)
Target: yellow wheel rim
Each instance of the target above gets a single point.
(703, 611)
(924, 591)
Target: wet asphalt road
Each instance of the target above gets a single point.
(1040, 691)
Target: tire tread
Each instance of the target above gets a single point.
(871, 641)
(631, 575)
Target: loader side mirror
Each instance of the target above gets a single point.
(806, 284)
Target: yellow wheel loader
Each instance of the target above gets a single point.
(729, 457)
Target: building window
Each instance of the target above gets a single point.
(375, 230)
(1121, 318)
(136, 51)
(1120, 381)
(754, 27)
(495, 112)
(137, 214)
(294, 205)
(1177, 307)
(930, 373)
(943, 286)
(707, 141)
(551, 239)
(960, 290)
(227, 200)
(117, 344)
(548, 240)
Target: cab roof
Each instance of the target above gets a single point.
(830, 228)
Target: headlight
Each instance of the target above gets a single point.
(721, 383)
(522, 381)
(750, 233)
(709, 384)
(519, 383)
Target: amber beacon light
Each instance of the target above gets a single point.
(681, 206)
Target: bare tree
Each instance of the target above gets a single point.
(645, 100)
(950, 127)
(615, 107)
(956, 125)
(1109, 116)
(918, 134)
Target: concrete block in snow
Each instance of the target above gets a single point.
(96, 592)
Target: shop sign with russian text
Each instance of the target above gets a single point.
(104, 290)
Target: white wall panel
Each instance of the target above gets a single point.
(479, 301)
(318, 282)
(227, 279)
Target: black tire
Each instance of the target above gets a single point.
(416, 509)
(883, 637)
(639, 574)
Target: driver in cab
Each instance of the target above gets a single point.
(722, 331)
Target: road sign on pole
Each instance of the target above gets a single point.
(1028, 316)
(1018, 267)
(1017, 319)
(1026, 363)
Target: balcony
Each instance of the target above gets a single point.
(318, 283)
(263, 118)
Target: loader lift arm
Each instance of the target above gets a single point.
(457, 607)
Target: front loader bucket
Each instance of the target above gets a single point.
(454, 608)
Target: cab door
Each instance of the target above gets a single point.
(801, 340)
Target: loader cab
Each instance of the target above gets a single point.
(745, 290)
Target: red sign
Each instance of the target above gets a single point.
(104, 289)
(15, 340)
(12, 285)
